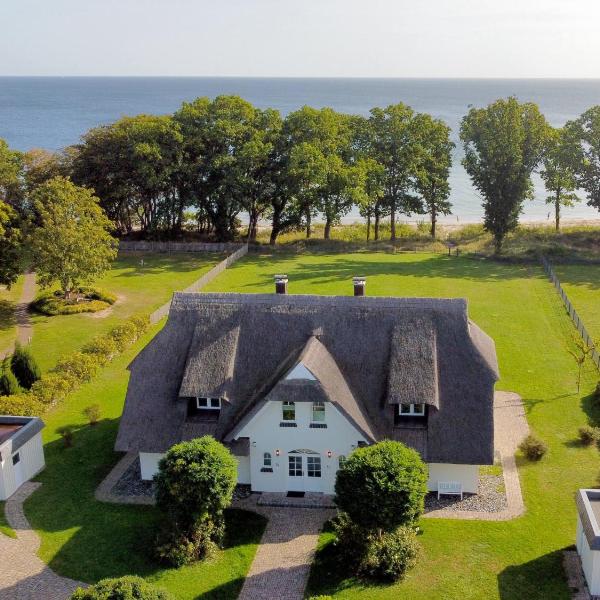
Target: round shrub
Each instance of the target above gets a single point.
(24, 366)
(103, 347)
(93, 413)
(194, 484)
(389, 556)
(24, 404)
(8, 382)
(588, 434)
(83, 300)
(53, 387)
(123, 588)
(79, 366)
(533, 448)
(382, 486)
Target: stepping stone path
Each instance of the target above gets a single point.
(24, 576)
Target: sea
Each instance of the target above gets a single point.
(54, 112)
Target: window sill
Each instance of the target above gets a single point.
(287, 424)
(318, 425)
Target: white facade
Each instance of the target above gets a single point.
(467, 475)
(20, 465)
(590, 560)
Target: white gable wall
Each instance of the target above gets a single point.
(340, 437)
(31, 462)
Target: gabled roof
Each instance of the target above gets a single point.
(367, 353)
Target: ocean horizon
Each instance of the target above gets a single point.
(54, 112)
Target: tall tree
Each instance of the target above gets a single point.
(434, 160)
(11, 176)
(11, 247)
(503, 144)
(73, 244)
(370, 200)
(559, 170)
(586, 130)
(393, 142)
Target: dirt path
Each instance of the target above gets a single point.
(24, 327)
(23, 575)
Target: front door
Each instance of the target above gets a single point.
(304, 471)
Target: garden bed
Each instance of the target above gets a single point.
(82, 300)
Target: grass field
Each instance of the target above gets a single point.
(8, 299)
(138, 288)
(88, 540)
(512, 560)
(582, 285)
(518, 307)
(4, 526)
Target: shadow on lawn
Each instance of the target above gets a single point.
(158, 265)
(111, 540)
(538, 579)
(7, 315)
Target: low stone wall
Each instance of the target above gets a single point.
(175, 247)
(163, 311)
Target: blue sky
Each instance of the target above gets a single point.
(345, 38)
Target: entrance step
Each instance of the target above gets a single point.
(310, 500)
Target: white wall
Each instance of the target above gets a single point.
(243, 469)
(149, 464)
(266, 435)
(468, 475)
(590, 560)
(31, 456)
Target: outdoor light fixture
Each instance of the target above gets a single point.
(277, 452)
(328, 453)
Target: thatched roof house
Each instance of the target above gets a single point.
(416, 370)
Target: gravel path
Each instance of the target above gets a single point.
(28, 577)
(24, 328)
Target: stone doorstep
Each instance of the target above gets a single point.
(310, 500)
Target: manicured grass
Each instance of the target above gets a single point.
(88, 540)
(517, 306)
(5, 528)
(138, 288)
(582, 285)
(8, 299)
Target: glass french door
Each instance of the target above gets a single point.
(304, 472)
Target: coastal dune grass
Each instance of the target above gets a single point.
(138, 288)
(515, 304)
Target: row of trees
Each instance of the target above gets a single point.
(221, 158)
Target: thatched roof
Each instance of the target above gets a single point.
(367, 354)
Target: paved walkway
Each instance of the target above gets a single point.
(510, 427)
(282, 563)
(24, 328)
(28, 577)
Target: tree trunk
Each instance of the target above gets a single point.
(327, 232)
(368, 227)
(433, 222)
(252, 225)
(308, 224)
(275, 226)
(393, 223)
(557, 211)
(377, 217)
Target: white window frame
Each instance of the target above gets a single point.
(411, 411)
(287, 404)
(312, 412)
(267, 459)
(209, 402)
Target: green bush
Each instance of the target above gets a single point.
(24, 404)
(125, 334)
(533, 448)
(382, 486)
(66, 433)
(103, 347)
(389, 556)
(588, 434)
(24, 366)
(53, 387)
(54, 303)
(123, 588)
(350, 540)
(8, 382)
(81, 367)
(92, 413)
(194, 484)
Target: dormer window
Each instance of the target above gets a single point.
(208, 403)
(411, 410)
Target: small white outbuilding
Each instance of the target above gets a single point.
(588, 536)
(21, 452)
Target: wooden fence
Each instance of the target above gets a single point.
(174, 247)
(163, 311)
(587, 338)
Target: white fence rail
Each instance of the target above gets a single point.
(174, 247)
(587, 338)
(163, 311)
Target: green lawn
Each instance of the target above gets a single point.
(8, 299)
(582, 285)
(139, 289)
(89, 540)
(517, 306)
(5, 528)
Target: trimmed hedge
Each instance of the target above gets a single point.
(54, 303)
(124, 588)
(75, 369)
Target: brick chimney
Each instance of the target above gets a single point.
(359, 285)
(281, 284)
